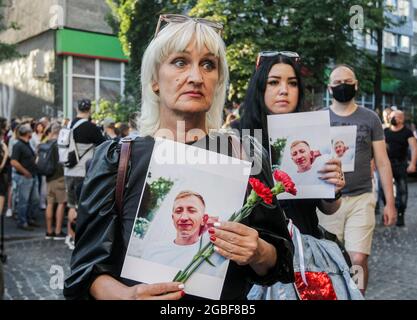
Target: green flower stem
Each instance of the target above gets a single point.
(182, 276)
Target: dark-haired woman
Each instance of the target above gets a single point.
(276, 87)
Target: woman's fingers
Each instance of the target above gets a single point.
(335, 162)
(235, 241)
(331, 165)
(330, 175)
(231, 249)
(240, 255)
(234, 227)
(330, 168)
(163, 288)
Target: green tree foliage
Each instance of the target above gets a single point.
(278, 148)
(377, 17)
(408, 86)
(135, 22)
(159, 189)
(320, 31)
(120, 111)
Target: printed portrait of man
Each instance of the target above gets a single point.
(340, 148)
(190, 221)
(302, 155)
(188, 217)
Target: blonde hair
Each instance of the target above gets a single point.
(339, 141)
(298, 142)
(187, 193)
(175, 37)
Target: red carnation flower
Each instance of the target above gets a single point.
(285, 179)
(261, 190)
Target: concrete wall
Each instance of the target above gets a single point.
(37, 16)
(32, 16)
(27, 84)
(88, 15)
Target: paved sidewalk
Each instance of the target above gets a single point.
(393, 261)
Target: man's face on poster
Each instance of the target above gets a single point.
(302, 157)
(187, 216)
(339, 148)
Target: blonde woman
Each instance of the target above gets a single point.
(184, 78)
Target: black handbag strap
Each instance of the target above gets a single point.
(122, 172)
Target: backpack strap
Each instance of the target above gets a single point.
(72, 140)
(122, 172)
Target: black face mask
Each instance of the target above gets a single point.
(394, 121)
(344, 92)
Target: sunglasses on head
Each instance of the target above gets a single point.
(271, 54)
(179, 18)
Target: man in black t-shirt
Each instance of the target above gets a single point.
(398, 139)
(23, 160)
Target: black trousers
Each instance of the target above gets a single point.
(399, 171)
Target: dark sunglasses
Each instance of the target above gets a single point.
(271, 54)
(179, 18)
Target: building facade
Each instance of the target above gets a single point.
(68, 52)
(399, 45)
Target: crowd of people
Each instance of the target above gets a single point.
(32, 177)
(184, 78)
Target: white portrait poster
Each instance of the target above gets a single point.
(344, 146)
(300, 145)
(184, 186)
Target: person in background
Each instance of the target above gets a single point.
(4, 156)
(56, 194)
(123, 129)
(12, 194)
(23, 160)
(385, 117)
(37, 136)
(133, 126)
(413, 129)
(65, 122)
(46, 122)
(354, 222)
(109, 128)
(86, 136)
(399, 138)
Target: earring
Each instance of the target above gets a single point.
(155, 88)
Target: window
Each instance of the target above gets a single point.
(84, 67)
(404, 43)
(403, 8)
(392, 3)
(82, 89)
(109, 90)
(109, 69)
(358, 38)
(389, 40)
(400, 7)
(95, 79)
(371, 42)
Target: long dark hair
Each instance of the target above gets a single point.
(254, 107)
(3, 126)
